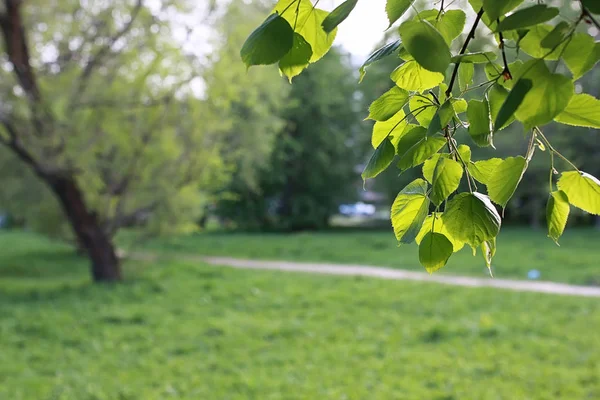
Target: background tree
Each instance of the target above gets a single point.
(312, 166)
(97, 102)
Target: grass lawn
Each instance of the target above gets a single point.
(175, 330)
(519, 250)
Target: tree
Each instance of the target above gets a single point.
(96, 101)
(419, 121)
(311, 168)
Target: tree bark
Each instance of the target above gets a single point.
(88, 230)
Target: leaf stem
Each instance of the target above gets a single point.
(588, 15)
(553, 150)
(463, 50)
(506, 72)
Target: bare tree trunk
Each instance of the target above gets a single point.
(88, 230)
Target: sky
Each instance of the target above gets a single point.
(364, 28)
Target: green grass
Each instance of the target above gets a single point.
(519, 250)
(176, 330)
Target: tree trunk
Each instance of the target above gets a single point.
(90, 235)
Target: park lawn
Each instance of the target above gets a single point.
(188, 331)
(519, 251)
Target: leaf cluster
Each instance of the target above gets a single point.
(529, 80)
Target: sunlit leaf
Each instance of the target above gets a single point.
(409, 210)
(446, 178)
(388, 104)
(504, 180)
(582, 189)
(439, 227)
(472, 218)
(297, 59)
(557, 214)
(434, 251)
(420, 151)
(581, 54)
(482, 170)
(306, 20)
(548, 97)
(393, 128)
(480, 126)
(583, 110)
(412, 76)
(396, 8)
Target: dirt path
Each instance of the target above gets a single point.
(397, 274)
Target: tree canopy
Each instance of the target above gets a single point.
(442, 87)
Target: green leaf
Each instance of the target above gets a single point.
(496, 98)
(426, 45)
(512, 103)
(380, 160)
(488, 248)
(532, 43)
(420, 151)
(557, 214)
(388, 104)
(591, 5)
(475, 58)
(556, 36)
(527, 17)
(392, 128)
(446, 178)
(439, 227)
(429, 166)
(548, 97)
(396, 9)
(268, 43)
(377, 55)
(482, 170)
(409, 210)
(472, 218)
(583, 110)
(465, 153)
(497, 8)
(582, 189)
(465, 75)
(480, 126)
(307, 22)
(581, 54)
(434, 251)
(459, 105)
(338, 15)
(503, 182)
(423, 109)
(412, 76)
(450, 24)
(297, 59)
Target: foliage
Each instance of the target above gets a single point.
(311, 168)
(432, 110)
(189, 331)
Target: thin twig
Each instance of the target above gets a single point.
(463, 50)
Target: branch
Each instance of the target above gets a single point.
(590, 18)
(103, 51)
(13, 31)
(15, 144)
(463, 50)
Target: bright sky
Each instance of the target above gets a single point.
(363, 29)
